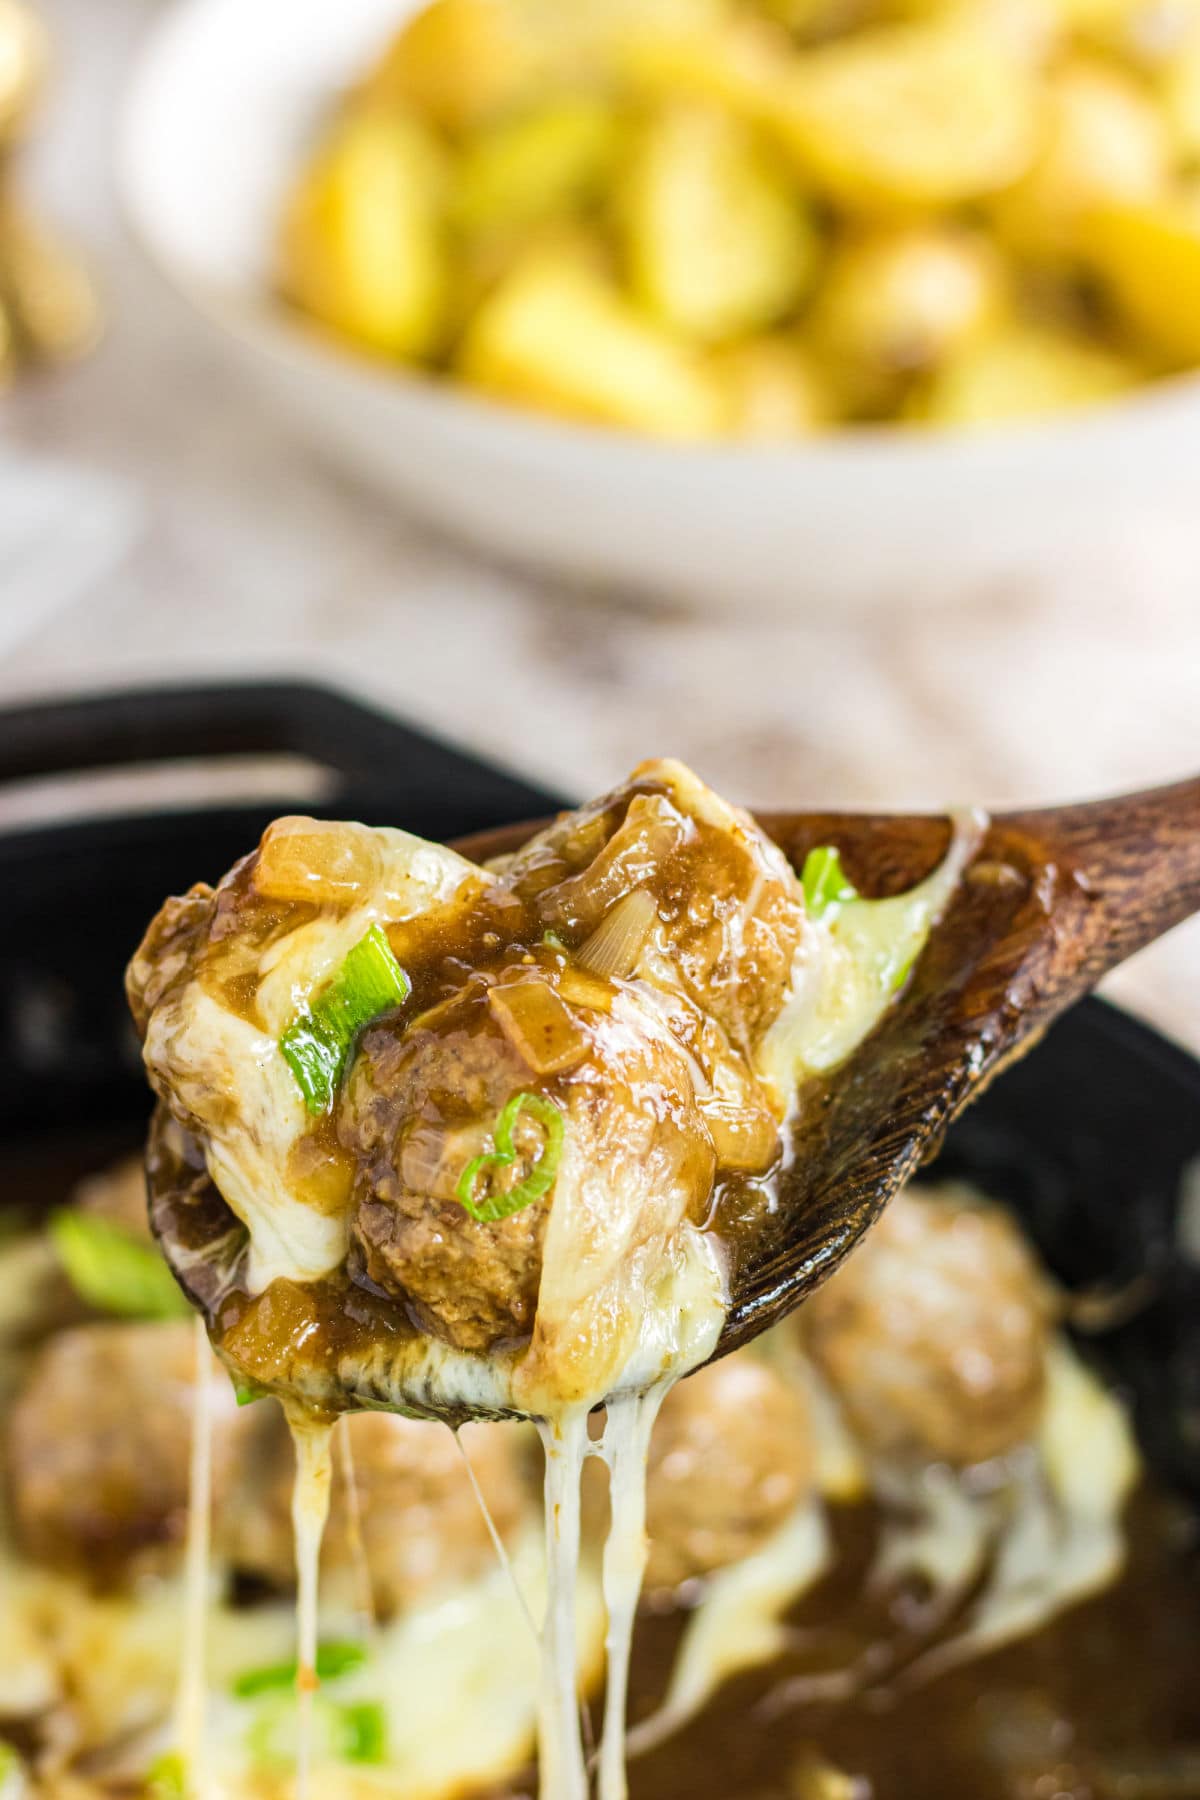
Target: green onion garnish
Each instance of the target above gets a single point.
(824, 881)
(112, 1271)
(318, 1042)
(246, 1392)
(166, 1778)
(540, 1177)
(363, 1732)
(339, 1657)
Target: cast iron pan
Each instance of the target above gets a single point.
(1090, 1138)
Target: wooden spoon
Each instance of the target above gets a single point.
(1050, 903)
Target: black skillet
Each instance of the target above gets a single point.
(1090, 1138)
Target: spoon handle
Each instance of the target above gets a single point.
(1136, 859)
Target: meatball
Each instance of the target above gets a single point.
(422, 1527)
(421, 1102)
(729, 908)
(413, 1113)
(98, 1442)
(934, 1332)
(731, 1457)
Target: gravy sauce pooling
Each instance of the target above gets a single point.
(451, 1140)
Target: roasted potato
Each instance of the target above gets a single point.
(1025, 372)
(756, 219)
(458, 62)
(363, 245)
(1104, 140)
(1148, 258)
(897, 301)
(550, 160)
(912, 116)
(774, 390)
(716, 242)
(557, 333)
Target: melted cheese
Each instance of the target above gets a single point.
(189, 1706)
(625, 1449)
(739, 1622)
(850, 966)
(310, 1510)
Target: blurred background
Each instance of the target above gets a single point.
(794, 389)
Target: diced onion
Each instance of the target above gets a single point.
(316, 861)
(538, 1025)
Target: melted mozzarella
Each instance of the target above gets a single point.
(851, 964)
(456, 1677)
(625, 1449)
(189, 1705)
(739, 1622)
(1061, 1539)
(562, 1772)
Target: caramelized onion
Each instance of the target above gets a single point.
(744, 1138)
(316, 860)
(616, 944)
(538, 1025)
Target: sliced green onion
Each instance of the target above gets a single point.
(318, 1042)
(824, 881)
(540, 1177)
(113, 1271)
(363, 1732)
(166, 1778)
(339, 1657)
(246, 1393)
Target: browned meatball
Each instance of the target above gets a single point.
(731, 1457)
(422, 1527)
(934, 1332)
(729, 908)
(98, 1442)
(414, 1108)
(422, 1102)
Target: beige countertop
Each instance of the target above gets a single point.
(188, 533)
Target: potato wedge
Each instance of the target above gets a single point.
(557, 333)
(550, 160)
(912, 116)
(737, 60)
(1104, 140)
(775, 390)
(1180, 97)
(362, 248)
(1148, 259)
(1026, 372)
(458, 62)
(896, 301)
(717, 241)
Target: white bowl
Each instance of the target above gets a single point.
(225, 97)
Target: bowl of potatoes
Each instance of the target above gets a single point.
(750, 303)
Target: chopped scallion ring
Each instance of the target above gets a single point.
(540, 1178)
(339, 1657)
(363, 1731)
(318, 1042)
(166, 1778)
